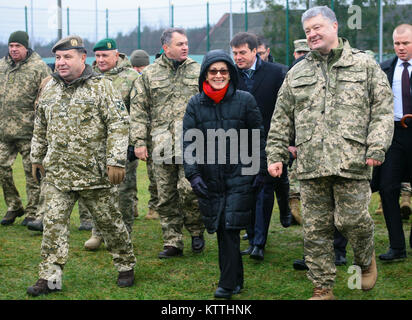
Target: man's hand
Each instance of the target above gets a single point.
(34, 168)
(373, 162)
(141, 153)
(294, 151)
(116, 174)
(275, 169)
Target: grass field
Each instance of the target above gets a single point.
(91, 275)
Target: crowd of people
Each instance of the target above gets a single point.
(220, 141)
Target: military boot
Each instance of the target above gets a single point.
(294, 204)
(36, 225)
(10, 216)
(405, 205)
(370, 275)
(93, 243)
(152, 215)
(322, 294)
(379, 210)
(85, 225)
(40, 287)
(125, 278)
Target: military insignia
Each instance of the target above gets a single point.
(74, 42)
(109, 45)
(120, 105)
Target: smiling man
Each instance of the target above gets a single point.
(337, 105)
(21, 73)
(79, 144)
(163, 91)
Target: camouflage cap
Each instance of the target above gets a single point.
(68, 43)
(301, 45)
(105, 44)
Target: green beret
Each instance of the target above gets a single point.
(20, 37)
(68, 43)
(301, 45)
(105, 44)
(139, 58)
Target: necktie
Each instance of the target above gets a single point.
(249, 73)
(406, 90)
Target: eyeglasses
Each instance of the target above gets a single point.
(214, 72)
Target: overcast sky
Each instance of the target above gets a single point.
(123, 16)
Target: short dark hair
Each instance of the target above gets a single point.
(262, 41)
(167, 35)
(242, 38)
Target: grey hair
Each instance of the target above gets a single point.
(325, 11)
(167, 35)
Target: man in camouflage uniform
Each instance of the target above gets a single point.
(117, 67)
(337, 105)
(140, 60)
(79, 147)
(21, 73)
(163, 91)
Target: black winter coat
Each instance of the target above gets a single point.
(230, 192)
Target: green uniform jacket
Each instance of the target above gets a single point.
(160, 103)
(80, 128)
(123, 78)
(19, 84)
(339, 111)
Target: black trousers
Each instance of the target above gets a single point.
(339, 243)
(230, 259)
(395, 170)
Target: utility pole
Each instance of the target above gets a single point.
(59, 20)
(230, 22)
(97, 28)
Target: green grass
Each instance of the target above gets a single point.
(91, 275)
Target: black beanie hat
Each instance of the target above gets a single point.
(20, 37)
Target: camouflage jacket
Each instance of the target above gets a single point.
(79, 129)
(19, 84)
(123, 78)
(339, 111)
(160, 102)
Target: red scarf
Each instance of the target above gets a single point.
(215, 95)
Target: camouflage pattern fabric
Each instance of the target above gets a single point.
(8, 154)
(123, 79)
(80, 129)
(294, 186)
(406, 188)
(177, 206)
(342, 202)
(103, 205)
(339, 112)
(158, 107)
(153, 201)
(19, 84)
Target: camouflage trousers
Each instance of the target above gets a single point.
(294, 185)
(127, 199)
(8, 154)
(340, 202)
(103, 205)
(177, 206)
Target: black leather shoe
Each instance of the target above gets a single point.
(245, 237)
(35, 225)
(300, 264)
(198, 244)
(223, 293)
(393, 254)
(170, 252)
(247, 251)
(257, 253)
(340, 260)
(10, 216)
(237, 289)
(286, 220)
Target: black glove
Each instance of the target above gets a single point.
(258, 182)
(130, 154)
(199, 187)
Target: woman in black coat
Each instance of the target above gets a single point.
(223, 180)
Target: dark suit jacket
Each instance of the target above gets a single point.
(388, 67)
(268, 78)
